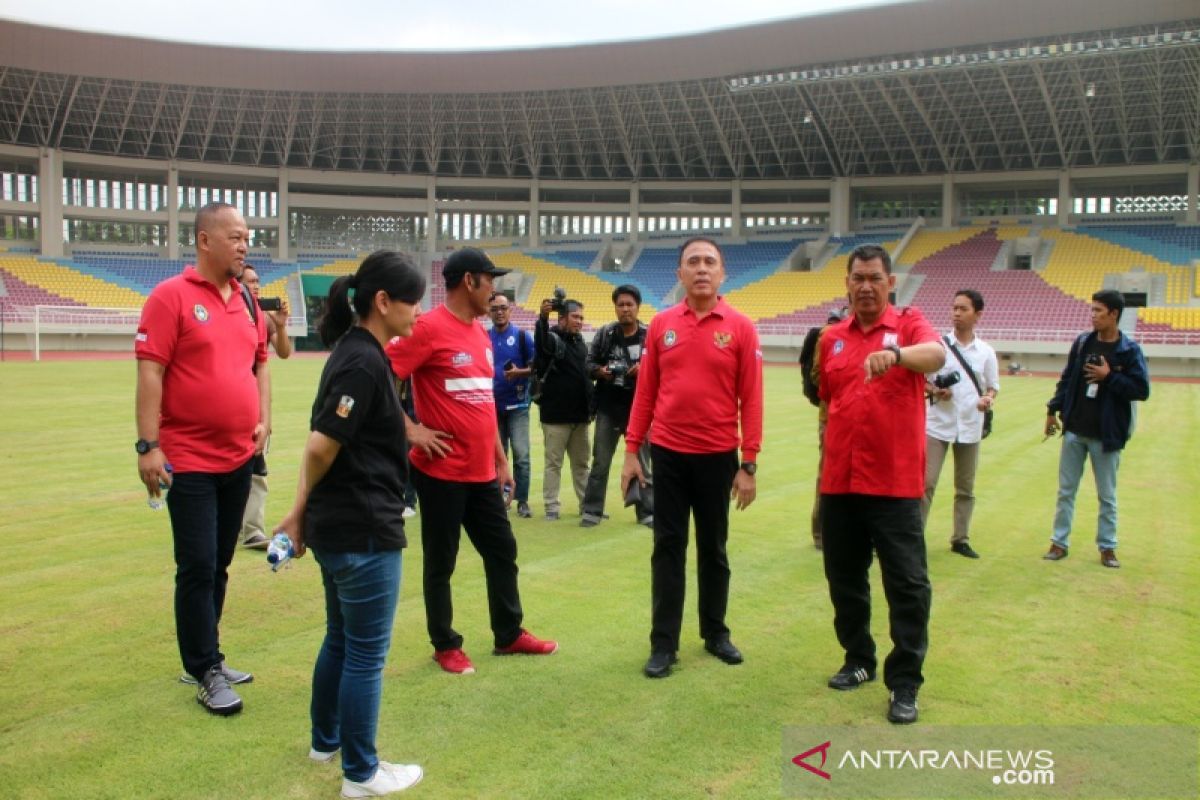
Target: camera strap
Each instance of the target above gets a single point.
(966, 366)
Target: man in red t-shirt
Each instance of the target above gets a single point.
(203, 412)
(872, 375)
(700, 375)
(458, 463)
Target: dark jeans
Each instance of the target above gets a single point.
(696, 484)
(607, 433)
(853, 524)
(206, 516)
(361, 592)
(447, 506)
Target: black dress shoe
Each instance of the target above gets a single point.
(849, 677)
(724, 650)
(659, 665)
(902, 708)
(963, 549)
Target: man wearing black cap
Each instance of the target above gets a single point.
(459, 465)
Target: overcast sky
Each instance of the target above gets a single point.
(407, 25)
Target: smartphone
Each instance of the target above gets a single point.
(1095, 359)
(270, 303)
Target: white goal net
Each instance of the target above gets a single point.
(81, 321)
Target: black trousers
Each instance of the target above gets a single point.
(446, 507)
(852, 525)
(696, 484)
(206, 516)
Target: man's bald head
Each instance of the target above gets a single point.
(207, 216)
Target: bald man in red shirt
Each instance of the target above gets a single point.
(204, 408)
(873, 367)
(700, 375)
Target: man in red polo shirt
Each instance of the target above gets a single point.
(203, 410)
(458, 462)
(873, 367)
(701, 374)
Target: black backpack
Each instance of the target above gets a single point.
(808, 355)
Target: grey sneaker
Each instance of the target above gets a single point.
(232, 676)
(322, 757)
(551, 515)
(524, 511)
(216, 696)
(589, 521)
(647, 520)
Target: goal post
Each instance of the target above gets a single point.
(82, 320)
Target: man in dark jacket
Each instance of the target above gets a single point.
(614, 360)
(566, 399)
(1093, 405)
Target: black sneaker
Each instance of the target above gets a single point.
(659, 665)
(963, 549)
(216, 696)
(849, 677)
(902, 708)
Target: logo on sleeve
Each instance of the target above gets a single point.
(345, 406)
(200, 313)
(669, 338)
(838, 346)
(722, 339)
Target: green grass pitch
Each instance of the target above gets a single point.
(90, 706)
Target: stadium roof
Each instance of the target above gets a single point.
(924, 88)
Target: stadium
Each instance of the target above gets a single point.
(1035, 151)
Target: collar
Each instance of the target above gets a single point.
(888, 319)
(192, 275)
(720, 310)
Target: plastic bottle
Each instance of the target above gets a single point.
(160, 502)
(279, 551)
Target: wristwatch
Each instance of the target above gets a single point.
(749, 467)
(895, 348)
(142, 446)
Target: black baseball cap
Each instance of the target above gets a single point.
(470, 259)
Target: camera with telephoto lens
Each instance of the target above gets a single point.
(559, 302)
(947, 380)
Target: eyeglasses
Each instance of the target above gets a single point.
(495, 309)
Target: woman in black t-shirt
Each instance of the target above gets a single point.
(349, 510)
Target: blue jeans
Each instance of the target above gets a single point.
(361, 591)
(1075, 449)
(514, 430)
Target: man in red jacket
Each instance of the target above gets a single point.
(701, 374)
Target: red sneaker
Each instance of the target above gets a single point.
(454, 661)
(529, 645)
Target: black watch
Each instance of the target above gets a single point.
(749, 467)
(142, 446)
(895, 348)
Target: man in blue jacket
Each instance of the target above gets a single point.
(512, 356)
(1093, 405)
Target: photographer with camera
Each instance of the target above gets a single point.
(276, 310)
(614, 360)
(1105, 373)
(958, 414)
(566, 399)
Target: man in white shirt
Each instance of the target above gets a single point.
(956, 412)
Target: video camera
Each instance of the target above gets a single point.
(558, 303)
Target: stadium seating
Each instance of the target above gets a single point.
(1079, 262)
(1014, 300)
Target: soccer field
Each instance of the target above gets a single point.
(90, 705)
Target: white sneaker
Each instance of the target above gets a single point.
(321, 757)
(409, 512)
(387, 779)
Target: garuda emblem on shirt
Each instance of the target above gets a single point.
(722, 339)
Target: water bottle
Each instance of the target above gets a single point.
(160, 502)
(279, 551)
